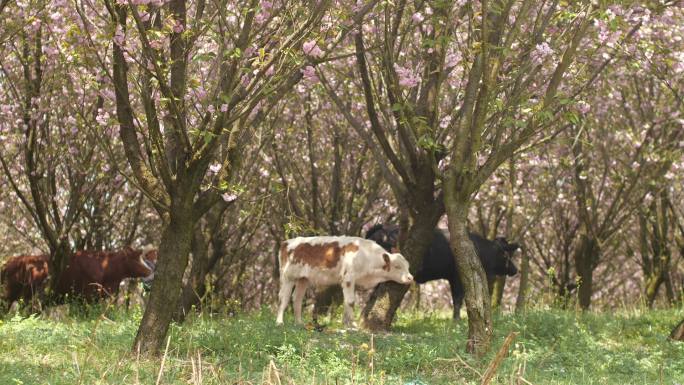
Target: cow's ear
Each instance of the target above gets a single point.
(387, 265)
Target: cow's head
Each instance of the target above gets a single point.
(396, 268)
(140, 263)
(149, 256)
(385, 235)
(505, 264)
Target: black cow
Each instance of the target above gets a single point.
(438, 262)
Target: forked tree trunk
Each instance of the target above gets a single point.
(382, 305)
(385, 299)
(653, 283)
(166, 289)
(472, 276)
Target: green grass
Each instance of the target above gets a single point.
(553, 347)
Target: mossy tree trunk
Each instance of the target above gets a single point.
(471, 273)
(164, 298)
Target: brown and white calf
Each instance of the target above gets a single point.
(327, 261)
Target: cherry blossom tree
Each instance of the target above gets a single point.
(49, 111)
(192, 80)
(451, 92)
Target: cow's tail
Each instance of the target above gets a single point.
(281, 255)
(2, 280)
(4, 275)
(276, 265)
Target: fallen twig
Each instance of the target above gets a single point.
(459, 359)
(491, 369)
(161, 367)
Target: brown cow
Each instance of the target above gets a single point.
(23, 276)
(90, 274)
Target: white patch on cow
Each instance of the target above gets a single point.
(322, 240)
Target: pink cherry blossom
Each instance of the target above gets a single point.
(407, 78)
(311, 49)
(178, 27)
(215, 168)
(541, 52)
(583, 107)
(309, 74)
(229, 197)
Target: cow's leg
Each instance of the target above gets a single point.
(300, 290)
(286, 286)
(349, 299)
(457, 295)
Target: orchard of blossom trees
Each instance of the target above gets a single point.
(218, 129)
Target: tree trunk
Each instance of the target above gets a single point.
(59, 258)
(678, 332)
(415, 289)
(208, 248)
(471, 273)
(653, 283)
(521, 301)
(382, 305)
(385, 299)
(500, 282)
(497, 290)
(166, 289)
(669, 290)
(657, 268)
(585, 258)
(325, 300)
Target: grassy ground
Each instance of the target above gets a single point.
(553, 347)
